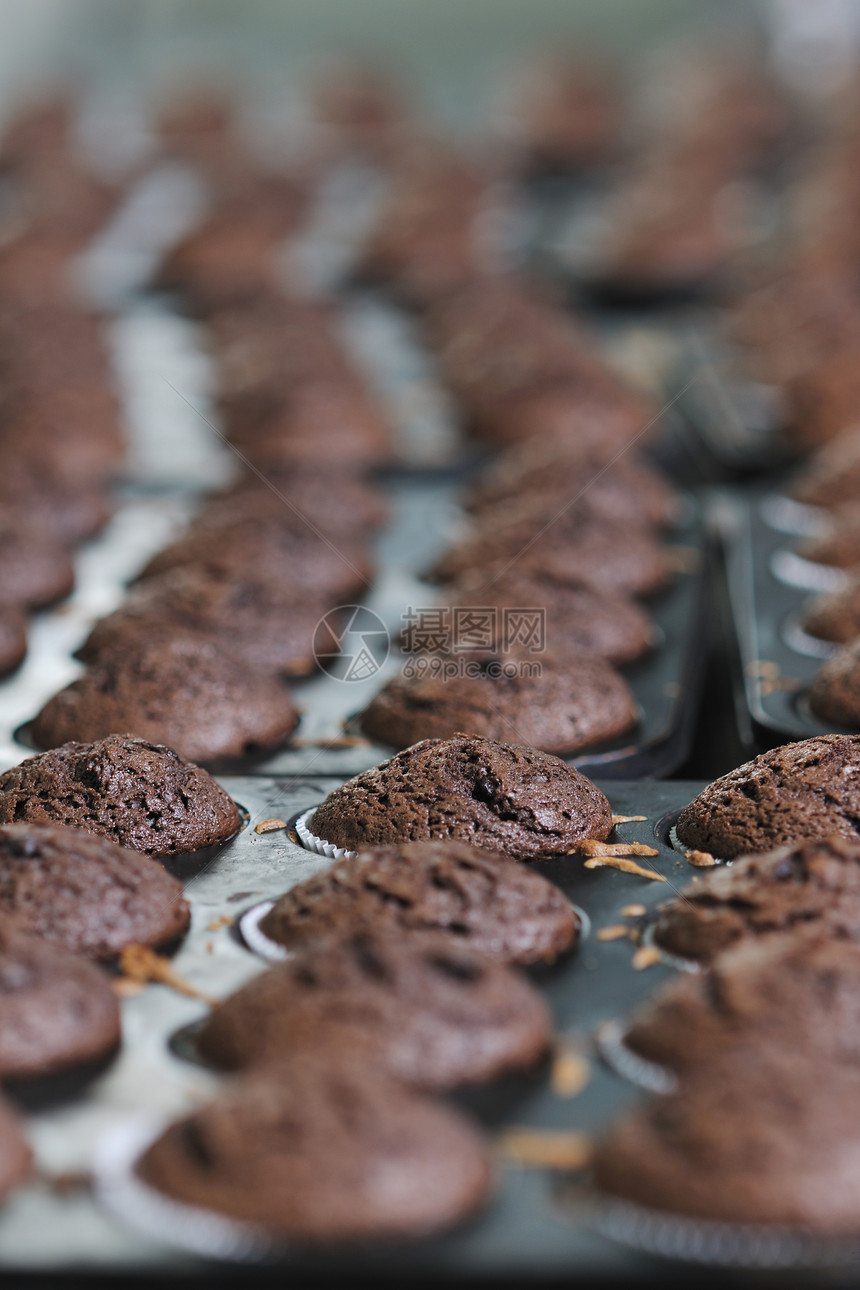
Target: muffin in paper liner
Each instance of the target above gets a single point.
(711, 1242)
(119, 1190)
(311, 842)
(796, 571)
(255, 939)
(611, 1043)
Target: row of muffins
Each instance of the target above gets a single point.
(86, 831)
(60, 438)
(196, 655)
(764, 1031)
(399, 979)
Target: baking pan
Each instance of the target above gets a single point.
(527, 1231)
(768, 587)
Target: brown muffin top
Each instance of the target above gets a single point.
(260, 623)
(765, 1139)
(791, 991)
(324, 1151)
(432, 1013)
(174, 691)
(809, 789)
(57, 1011)
(521, 802)
(140, 795)
(814, 887)
(493, 905)
(835, 691)
(86, 893)
(567, 705)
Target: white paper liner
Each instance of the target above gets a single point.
(311, 842)
(788, 516)
(256, 940)
(719, 1244)
(796, 571)
(629, 1065)
(127, 1197)
(800, 641)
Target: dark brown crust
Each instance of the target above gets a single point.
(301, 1152)
(485, 901)
(567, 707)
(140, 795)
(433, 1014)
(85, 893)
(805, 790)
(813, 887)
(521, 802)
(178, 692)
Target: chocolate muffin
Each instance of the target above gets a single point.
(831, 476)
(227, 542)
(324, 1152)
(803, 790)
(812, 887)
(498, 908)
(834, 615)
(338, 501)
(763, 1140)
(13, 638)
(259, 623)
(838, 546)
(834, 694)
(174, 691)
(86, 893)
(553, 472)
(577, 545)
(523, 803)
(16, 1159)
(567, 114)
(140, 795)
(569, 705)
(35, 571)
(578, 619)
(57, 1011)
(431, 1013)
(790, 991)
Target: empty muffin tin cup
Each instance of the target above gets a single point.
(716, 1244)
(611, 1043)
(311, 842)
(122, 1193)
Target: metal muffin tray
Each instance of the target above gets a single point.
(768, 586)
(528, 1229)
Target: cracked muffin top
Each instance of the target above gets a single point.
(486, 901)
(809, 789)
(143, 796)
(811, 887)
(524, 803)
